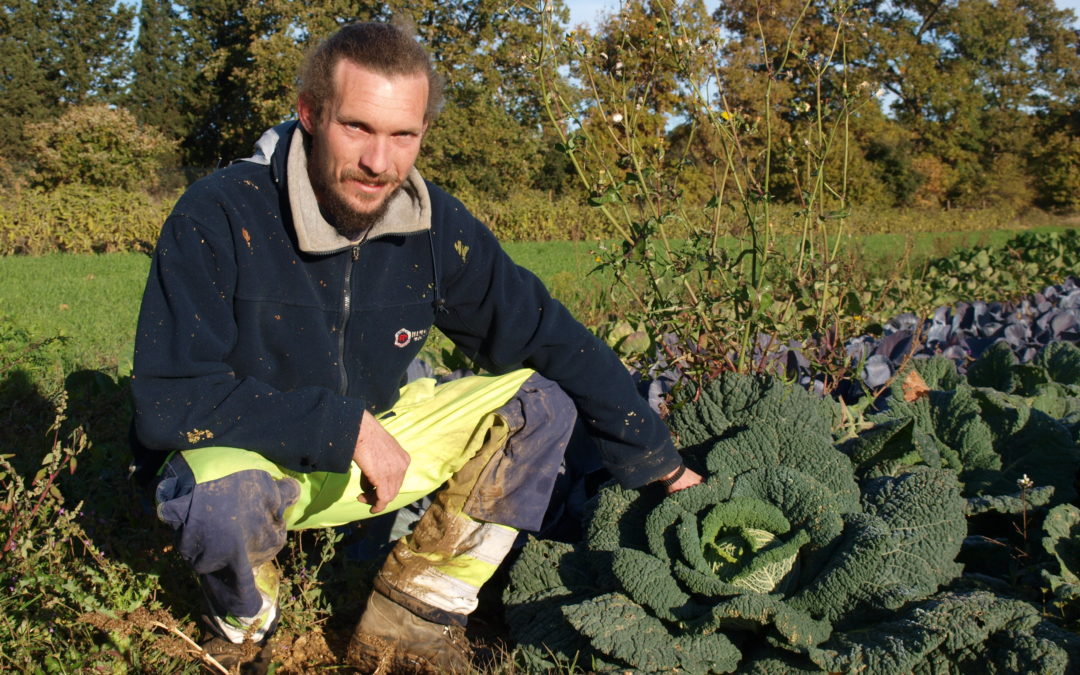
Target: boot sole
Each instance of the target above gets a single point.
(378, 656)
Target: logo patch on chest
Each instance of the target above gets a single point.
(405, 337)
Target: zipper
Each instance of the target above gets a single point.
(346, 306)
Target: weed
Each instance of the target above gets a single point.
(304, 605)
(54, 574)
(716, 300)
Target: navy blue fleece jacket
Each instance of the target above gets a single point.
(250, 336)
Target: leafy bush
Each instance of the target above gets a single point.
(532, 215)
(97, 145)
(80, 219)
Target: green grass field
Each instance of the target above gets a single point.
(92, 301)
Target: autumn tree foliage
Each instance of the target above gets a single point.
(97, 145)
(953, 103)
(979, 85)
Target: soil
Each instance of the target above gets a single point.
(305, 653)
(321, 650)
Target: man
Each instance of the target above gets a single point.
(287, 296)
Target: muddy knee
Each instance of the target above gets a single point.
(516, 486)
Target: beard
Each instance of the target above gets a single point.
(349, 221)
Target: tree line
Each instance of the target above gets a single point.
(946, 103)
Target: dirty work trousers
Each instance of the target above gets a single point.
(494, 444)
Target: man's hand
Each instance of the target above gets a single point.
(382, 463)
(687, 479)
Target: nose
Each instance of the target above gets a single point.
(376, 155)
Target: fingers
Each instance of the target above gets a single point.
(382, 463)
(373, 500)
(378, 496)
(375, 496)
(687, 479)
(369, 494)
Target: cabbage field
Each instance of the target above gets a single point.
(920, 519)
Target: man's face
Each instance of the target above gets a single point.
(364, 143)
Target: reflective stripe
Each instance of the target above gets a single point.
(452, 581)
(476, 563)
(465, 568)
(493, 542)
(484, 542)
(436, 588)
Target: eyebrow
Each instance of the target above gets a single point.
(410, 131)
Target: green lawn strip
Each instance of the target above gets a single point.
(91, 300)
(886, 251)
(566, 266)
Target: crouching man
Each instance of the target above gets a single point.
(287, 296)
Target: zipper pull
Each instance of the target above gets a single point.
(356, 253)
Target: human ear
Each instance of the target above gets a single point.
(306, 113)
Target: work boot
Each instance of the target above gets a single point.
(392, 639)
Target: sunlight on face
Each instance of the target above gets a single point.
(364, 143)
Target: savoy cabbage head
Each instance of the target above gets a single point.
(765, 566)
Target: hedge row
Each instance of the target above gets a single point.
(79, 219)
(535, 216)
(83, 219)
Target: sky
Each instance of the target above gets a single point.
(586, 11)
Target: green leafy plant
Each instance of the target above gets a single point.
(304, 606)
(1025, 262)
(1062, 541)
(955, 631)
(55, 576)
(1049, 383)
(791, 557)
(641, 176)
(97, 145)
(989, 437)
(1016, 461)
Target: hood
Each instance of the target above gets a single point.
(283, 147)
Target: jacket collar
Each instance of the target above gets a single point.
(282, 147)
